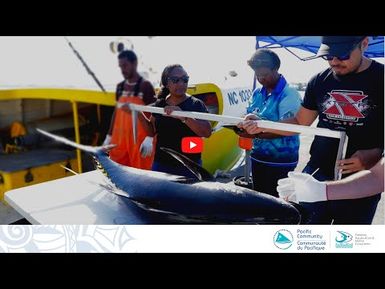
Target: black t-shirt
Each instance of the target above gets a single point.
(170, 131)
(353, 103)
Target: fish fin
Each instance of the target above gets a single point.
(197, 170)
(95, 151)
(90, 149)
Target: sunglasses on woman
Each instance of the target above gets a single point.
(175, 79)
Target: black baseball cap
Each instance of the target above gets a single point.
(338, 45)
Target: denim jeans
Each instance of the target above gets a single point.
(357, 211)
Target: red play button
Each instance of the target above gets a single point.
(192, 145)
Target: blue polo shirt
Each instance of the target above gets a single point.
(283, 102)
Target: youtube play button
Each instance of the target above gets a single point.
(192, 145)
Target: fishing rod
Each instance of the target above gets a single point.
(90, 72)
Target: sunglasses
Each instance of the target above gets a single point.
(343, 57)
(340, 58)
(175, 79)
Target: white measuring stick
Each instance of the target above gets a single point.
(233, 120)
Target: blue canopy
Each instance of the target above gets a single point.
(312, 43)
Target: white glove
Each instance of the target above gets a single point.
(107, 140)
(146, 147)
(286, 190)
(303, 187)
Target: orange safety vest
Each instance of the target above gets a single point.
(126, 151)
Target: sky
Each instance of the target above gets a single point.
(49, 61)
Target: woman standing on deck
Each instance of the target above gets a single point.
(272, 156)
(170, 130)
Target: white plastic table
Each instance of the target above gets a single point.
(79, 199)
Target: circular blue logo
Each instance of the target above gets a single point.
(283, 239)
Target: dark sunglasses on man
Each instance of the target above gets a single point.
(175, 79)
(341, 58)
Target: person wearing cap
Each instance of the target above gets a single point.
(272, 155)
(134, 89)
(348, 96)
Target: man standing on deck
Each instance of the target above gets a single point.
(348, 96)
(134, 89)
